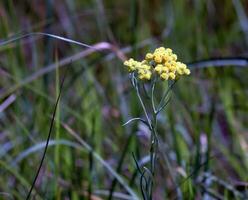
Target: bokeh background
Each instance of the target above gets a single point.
(203, 131)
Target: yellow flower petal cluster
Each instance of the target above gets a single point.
(162, 62)
(142, 68)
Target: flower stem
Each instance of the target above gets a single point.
(154, 140)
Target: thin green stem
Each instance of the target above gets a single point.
(161, 103)
(163, 106)
(57, 133)
(153, 150)
(152, 124)
(153, 103)
(143, 107)
(154, 141)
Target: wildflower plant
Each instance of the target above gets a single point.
(157, 67)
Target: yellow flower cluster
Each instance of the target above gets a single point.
(162, 62)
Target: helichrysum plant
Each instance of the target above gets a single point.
(160, 66)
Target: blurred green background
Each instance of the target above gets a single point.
(203, 131)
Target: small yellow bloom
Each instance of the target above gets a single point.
(145, 66)
(144, 74)
(172, 68)
(162, 49)
(164, 76)
(149, 56)
(131, 64)
(166, 65)
(182, 65)
(166, 58)
(144, 62)
(169, 51)
(159, 68)
(174, 57)
(187, 71)
(158, 58)
(180, 71)
(172, 75)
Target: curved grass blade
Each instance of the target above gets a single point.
(219, 62)
(119, 166)
(44, 34)
(135, 119)
(103, 162)
(48, 137)
(40, 146)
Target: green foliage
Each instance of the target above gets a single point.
(203, 141)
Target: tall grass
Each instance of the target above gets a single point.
(202, 135)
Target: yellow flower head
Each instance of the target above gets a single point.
(149, 56)
(162, 62)
(159, 68)
(131, 64)
(164, 76)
